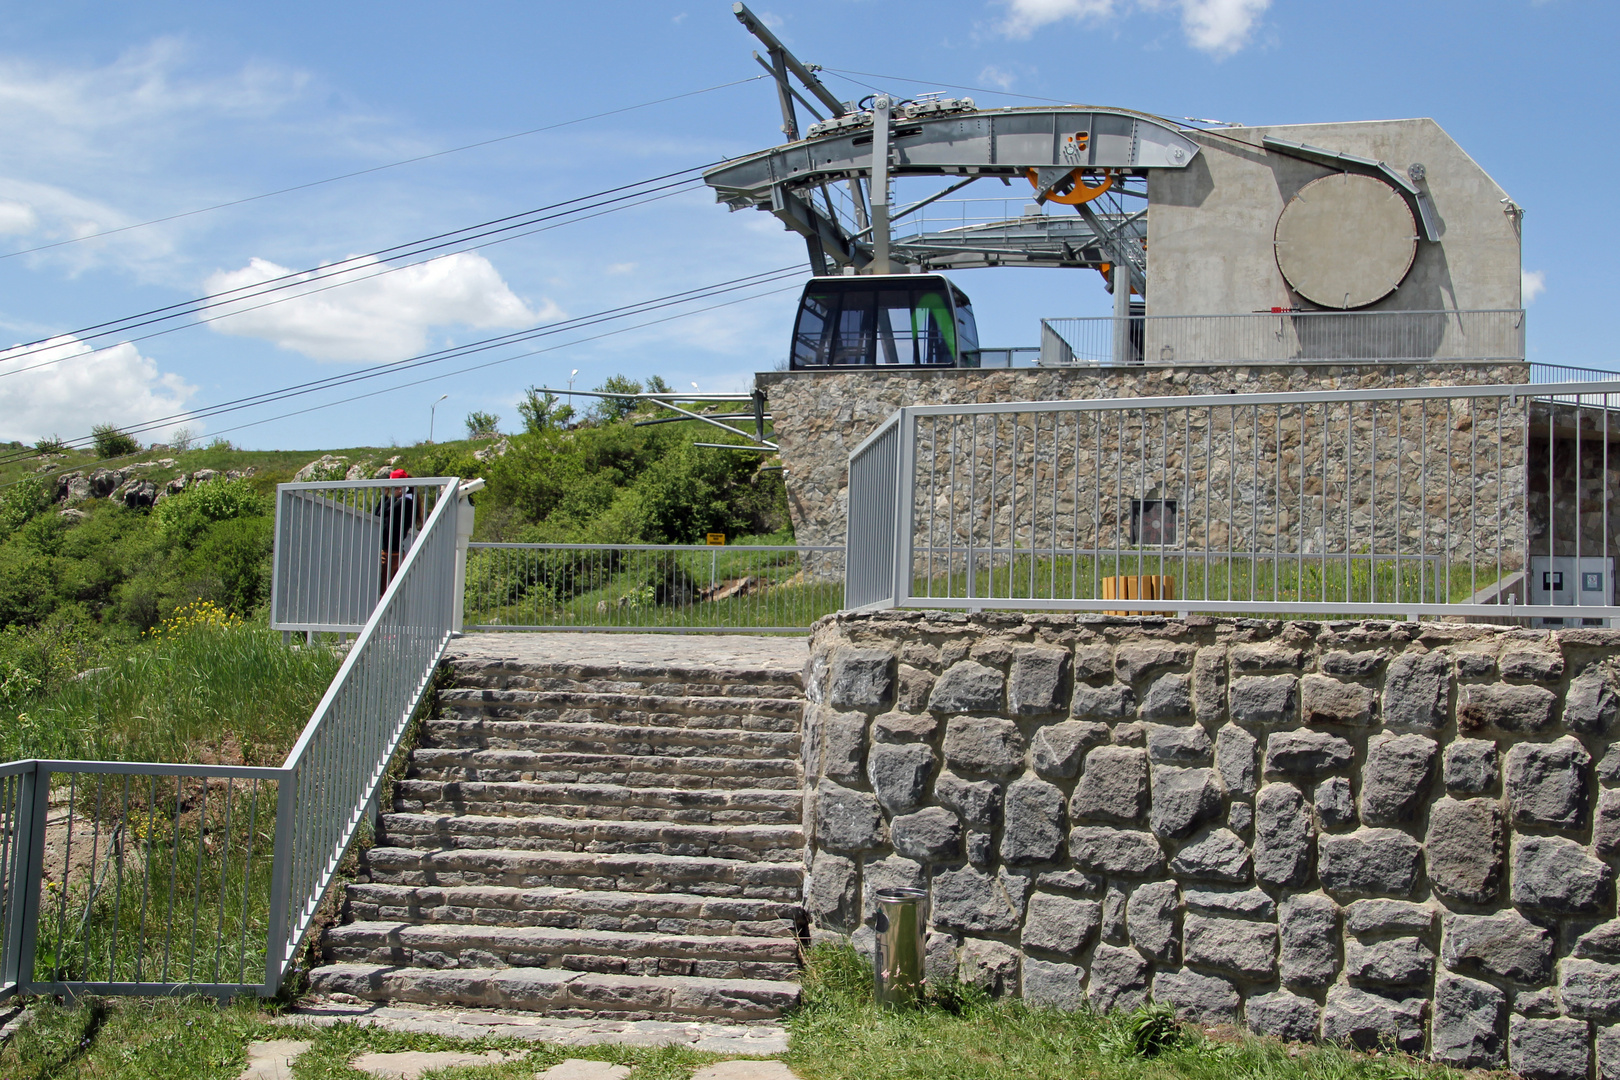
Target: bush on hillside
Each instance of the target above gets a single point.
(111, 442)
(20, 502)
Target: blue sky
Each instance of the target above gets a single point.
(113, 114)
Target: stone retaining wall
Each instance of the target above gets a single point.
(1358, 831)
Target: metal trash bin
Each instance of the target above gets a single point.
(902, 914)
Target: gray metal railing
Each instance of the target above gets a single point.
(1423, 501)
(641, 587)
(146, 878)
(1289, 335)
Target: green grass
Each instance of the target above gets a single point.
(840, 1033)
(216, 694)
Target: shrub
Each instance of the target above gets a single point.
(24, 499)
(51, 445)
(111, 442)
(183, 517)
(482, 425)
(182, 439)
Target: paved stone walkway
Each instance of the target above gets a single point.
(760, 1039)
(784, 652)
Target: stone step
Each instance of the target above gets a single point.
(670, 680)
(610, 952)
(748, 843)
(708, 711)
(599, 802)
(501, 766)
(589, 736)
(585, 870)
(668, 913)
(563, 993)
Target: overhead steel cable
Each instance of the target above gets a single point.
(410, 249)
(381, 269)
(452, 352)
(382, 168)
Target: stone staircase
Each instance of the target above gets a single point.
(586, 837)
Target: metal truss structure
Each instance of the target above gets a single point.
(832, 185)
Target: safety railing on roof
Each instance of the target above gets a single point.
(1281, 336)
(1411, 502)
(142, 878)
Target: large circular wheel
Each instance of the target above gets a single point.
(1345, 241)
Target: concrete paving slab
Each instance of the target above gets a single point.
(746, 1070)
(273, 1059)
(580, 1069)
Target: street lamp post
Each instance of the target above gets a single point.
(432, 409)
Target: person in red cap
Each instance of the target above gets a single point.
(398, 513)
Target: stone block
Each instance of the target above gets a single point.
(1375, 862)
(1114, 787)
(1507, 706)
(1243, 903)
(940, 957)
(1263, 700)
(1234, 946)
(1606, 825)
(1308, 940)
(1326, 700)
(1536, 665)
(1150, 915)
(899, 774)
(843, 745)
(1470, 766)
(1353, 665)
(1187, 745)
(1107, 850)
(1335, 804)
(1466, 1029)
(1388, 916)
(1132, 734)
(1475, 665)
(1537, 1004)
(1370, 1021)
(1214, 855)
(1033, 830)
(1060, 924)
(1608, 1053)
(903, 727)
(1118, 980)
(861, 679)
(1306, 753)
(1112, 702)
(1602, 942)
(978, 802)
(1050, 985)
(1608, 768)
(1546, 783)
(1197, 999)
(1134, 660)
(1555, 875)
(912, 686)
(970, 900)
(1182, 798)
(967, 687)
(1240, 818)
(1282, 835)
(1266, 656)
(1071, 881)
(833, 892)
(1059, 748)
(1505, 946)
(1590, 703)
(1416, 691)
(847, 820)
(1395, 777)
(1093, 662)
(1404, 961)
(888, 872)
(1236, 754)
(1282, 1015)
(980, 847)
(1114, 927)
(1548, 1049)
(1168, 698)
(1209, 684)
(1465, 848)
(1589, 989)
(931, 835)
(988, 965)
(984, 744)
(1037, 684)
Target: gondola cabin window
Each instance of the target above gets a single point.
(911, 320)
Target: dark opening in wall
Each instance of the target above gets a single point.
(1153, 521)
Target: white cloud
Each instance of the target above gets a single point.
(377, 315)
(1532, 283)
(16, 217)
(995, 76)
(1218, 27)
(116, 385)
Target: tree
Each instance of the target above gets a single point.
(482, 425)
(110, 442)
(541, 412)
(610, 409)
(657, 385)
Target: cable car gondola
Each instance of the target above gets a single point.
(915, 320)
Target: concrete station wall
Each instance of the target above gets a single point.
(1364, 831)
